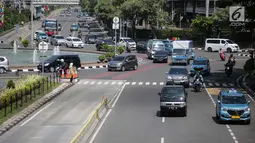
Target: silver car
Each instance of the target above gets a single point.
(178, 75)
(57, 40)
(4, 64)
(68, 14)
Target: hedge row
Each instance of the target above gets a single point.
(110, 52)
(21, 86)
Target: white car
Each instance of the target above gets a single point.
(126, 40)
(74, 42)
(36, 32)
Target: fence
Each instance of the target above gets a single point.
(22, 97)
(92, 122)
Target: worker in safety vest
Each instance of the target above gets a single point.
(71, 69)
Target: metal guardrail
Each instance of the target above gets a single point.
(56, 2)
(96, 116)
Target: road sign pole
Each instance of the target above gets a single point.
(32, 25)
(115, 42)
(43, 60)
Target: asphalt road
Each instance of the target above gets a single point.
(60, 120)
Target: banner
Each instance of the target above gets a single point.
(2, 13)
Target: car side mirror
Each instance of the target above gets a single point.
(218, 101)
(159, 94)
(249, 102)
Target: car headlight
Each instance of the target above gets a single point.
(224, 109)
(247, 109)
(162, 104)
(153, 52)
(169, 77)
(119, 64)
(183, 104)
(46, 64)
(185, 77)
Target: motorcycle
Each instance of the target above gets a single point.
(197, 85)
(228, 71)
(223, 56)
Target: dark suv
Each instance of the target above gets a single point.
(53, 62)
(173, 98)
(123, 62)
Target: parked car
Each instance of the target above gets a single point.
(4, 64)
(100, 43)
(74, 42)
(53, 62)
(57, 40)
(141, 47)
(123, 62)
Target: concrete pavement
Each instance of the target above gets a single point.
(60, 120)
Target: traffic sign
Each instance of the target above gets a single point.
(43, 46)
(115, 26)
(116, 20)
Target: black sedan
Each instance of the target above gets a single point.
(141, 47)
(92, 39)
(160, 56)
(100, 43)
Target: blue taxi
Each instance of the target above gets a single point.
(200, 63)
(42, 36)
(232, 106)
(74, 27)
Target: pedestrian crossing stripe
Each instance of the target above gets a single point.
(145, 83)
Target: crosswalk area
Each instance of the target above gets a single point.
(145, 83)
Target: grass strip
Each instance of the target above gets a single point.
(14, 111)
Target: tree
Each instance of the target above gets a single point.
(89, 5)
(104, 10)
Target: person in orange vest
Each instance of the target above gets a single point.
(71, 69)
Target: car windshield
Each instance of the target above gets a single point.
(199, 62)
(160, 53)
(158, 47)
(52, 58)
(172, 92)
(234, 100)
(74, 26)
(50, 25)
(179, 51)
(230, 42)
(178, 71)
(76, 39)
(42, 34)
(118, 58)
(110, 42)
(60, 37)
(128, 40)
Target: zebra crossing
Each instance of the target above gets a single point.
(145, 83)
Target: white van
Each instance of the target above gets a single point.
(214, 44)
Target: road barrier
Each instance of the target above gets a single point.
(92, 121)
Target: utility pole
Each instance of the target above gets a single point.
(214, 5)
(32, 24)
(120, 28)
(172, 10)
(19, 6)
(207, 3)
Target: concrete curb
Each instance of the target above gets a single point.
(32, 108)
(202, 49)
(247, 88)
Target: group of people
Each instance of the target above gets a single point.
(64, 66)
(231, 63)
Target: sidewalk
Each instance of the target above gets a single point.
(24, 31)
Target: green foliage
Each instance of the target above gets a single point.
(20, 38)
(104, 10)
(10, 84)
(120, 49)
(25, 43)
(101, 58)
(12, 43)
(25, 84)
(249, 66)
(89, 5)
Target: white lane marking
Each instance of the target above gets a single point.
(210, 84)
(127, 83)
(231, 84)
(162, 140)
(86, 82)
(120, 83)
(105, 83)
(147, 83)
(64, 25)
(113, 82)
(227, 126)
(79, 83)
(140, 83)
(106, 116)
(154, 83)
(224, 84)
(217, 84)
(163, 119)
(161, 83)
(100, 82)
(36, 114)
(133, 83)
(93, 82)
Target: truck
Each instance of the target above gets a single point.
(50, 26)
(181, 51)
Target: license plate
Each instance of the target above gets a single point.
(235, 117)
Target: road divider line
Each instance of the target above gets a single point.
(227, 126)
(36, 114)
(163, 119)
(162, 140)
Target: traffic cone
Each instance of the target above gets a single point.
(67, 74)
(62, 74)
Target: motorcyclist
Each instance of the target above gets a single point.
(221, 51)
(198, 76)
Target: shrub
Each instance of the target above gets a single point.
(10, 84)
(109, 56)
(22, 86)
(25, 42)
(101, 58)
(12, 43)
(20, 38)
(120, 49)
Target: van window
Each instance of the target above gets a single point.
(213, 41)
(230, 42)
(1, 59)
(223, 42)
